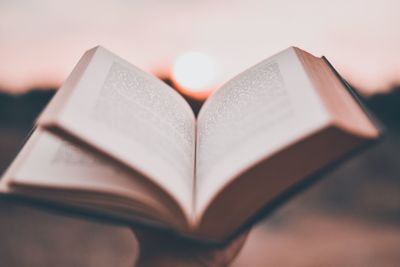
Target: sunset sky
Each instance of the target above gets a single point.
(41, 41)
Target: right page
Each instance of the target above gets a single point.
(264, 133)
(252, 116)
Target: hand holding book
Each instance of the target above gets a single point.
(172, 250)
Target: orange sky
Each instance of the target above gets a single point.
(41, 41)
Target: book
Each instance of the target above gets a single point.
(116, 140)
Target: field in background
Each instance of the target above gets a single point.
(350, 218)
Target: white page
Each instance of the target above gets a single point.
(258, 112)
(48, 161)
(137, 119)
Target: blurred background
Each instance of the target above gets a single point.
(350, 218)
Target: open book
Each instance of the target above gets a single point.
(117, 140)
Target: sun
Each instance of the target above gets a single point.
(195, 72)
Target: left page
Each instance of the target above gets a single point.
(52, 169)
(131, 116)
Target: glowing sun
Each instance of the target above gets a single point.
(194, 72)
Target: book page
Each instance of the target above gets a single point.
(137, 119)
(51, 168)
(49, 161)
(251, 117)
